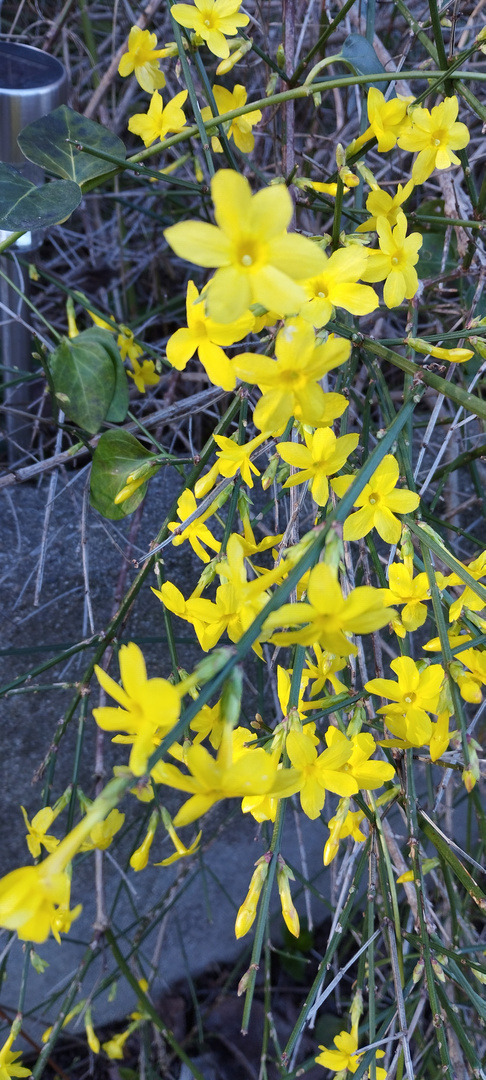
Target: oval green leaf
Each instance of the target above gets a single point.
(23, 206)
(45, 143)
(117, 455)
(83, 376)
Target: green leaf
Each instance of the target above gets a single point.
(83, 375)
(119, 403)
(358, 51)
(45, 143)
(23, 206)
(117, 455)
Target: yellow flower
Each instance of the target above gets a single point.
(143, 375)
(181, 851)
(37, 830)
(336, 286)
(345, 1056)
(410, 591)
(254, 772)
(212, 20)
(316, 773)
(239, 48)
(382, 205)
(149, 707)
(289, 911)
(435, 135)
(416, 693)
(139, 858)
(290, 383)
(387, 119)
(196, 532)
(29, 897)
(114, 1046)
(468, 598)
(322, 456)
(378, 503)
(158, 121)
(127, 345)
(207, 336)
(344, 823)
(256, 260)
(247, 912)
(454, 356)
(395, 261)
(9, 1066)
(322, 671)
(368, 775)
(142, 58)
(233, 458)
(93, 1040)
(328, 615)
(103, 832)
(240, 128)
(470, 682)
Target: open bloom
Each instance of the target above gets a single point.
(336, 286)
(37, 834)
(471, 681)
(328, 616)
(142, 58)
(149, 707)
(435, 135)
(240, 128)
(346, 1055)
(395, 261)
(378, 503)
(181, 851)
(344, 823)
(9, 1065)
(212, 20)
(387, 119)
(317, 772)
(410, 591)
(415, 694)
(158, 121)
(30, 896)
(196, 532)
(207, 336)
(289, 384)
(468, 598)
(257, 261)
(143, 375)
(383, 205)
(322, 456)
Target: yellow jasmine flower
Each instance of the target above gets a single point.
(9, 1066)
(239, 48)
(247, 912)
(336, 287)
(468, 598)
(344, 823)
(322, 671)
(29, 897)
(240, 128)
(37, 831)
(454, 356)
(289, 911)
(328, 616)
(103, 832)
(142, 58)
(435, 135)
(395, 261)
(212, 779)
(149, 707)
(427, 866)
(471, 681)
(114, 1046)
(290, 383)
(382, 205)
(369, 775)
(127, 345)
(316, 773)
(62, 919)
(181, 851)
(345, 1056)
(410, 591)
(143, 375)
(209, 723)
(248, 541)
(93, 1040)
(234, 458)
(322, 456)
(158, 121)
(378, 503)
(212, 20)
(140, 857)
(387, 119)
(416, 693)
(257, 261)
(207, 336)
(196, 532)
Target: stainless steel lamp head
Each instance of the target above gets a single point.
(32, 84)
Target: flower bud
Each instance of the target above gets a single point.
(139, 859)
(289, 912)
(247, 912)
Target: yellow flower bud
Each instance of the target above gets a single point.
(289, 911)
(247, 912)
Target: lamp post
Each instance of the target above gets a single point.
(32, 84)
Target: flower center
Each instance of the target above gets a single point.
(246, 260)
(207, 22)
(409, 699)
(374, 498)
(436, 142)
(395, 260)
(248, 252)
